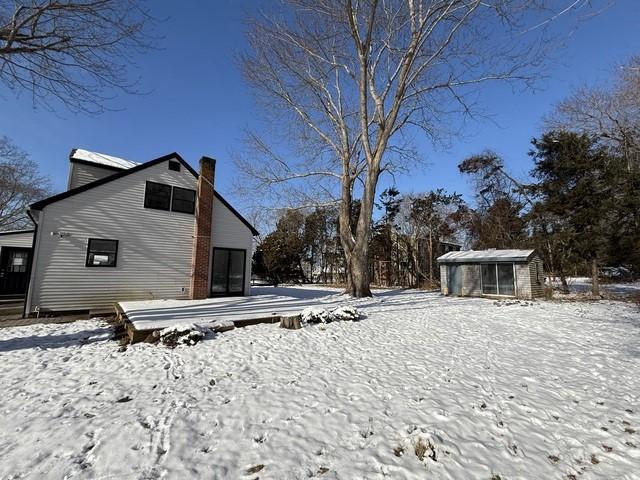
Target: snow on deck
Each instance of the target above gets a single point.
(263, 302)
(542, 390)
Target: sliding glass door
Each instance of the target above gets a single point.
(498, 279)
(227, 276)
(506, 284)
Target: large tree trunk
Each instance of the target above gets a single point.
(360, 273)
(356, 247)
(595, 282)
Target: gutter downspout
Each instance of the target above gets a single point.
(35, 244)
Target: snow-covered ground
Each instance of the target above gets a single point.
(581, 287)
(478, 389)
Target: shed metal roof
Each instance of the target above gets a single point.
(474, 256)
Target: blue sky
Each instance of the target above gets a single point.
(198, 104)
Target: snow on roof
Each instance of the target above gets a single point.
(17, 232)
(101, 159)
(493, 255)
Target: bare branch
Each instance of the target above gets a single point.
(75, 52)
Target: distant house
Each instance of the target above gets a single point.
(15, 255)
(494, 273)
(125, 231)
(446, 246)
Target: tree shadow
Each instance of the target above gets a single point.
(65, 340)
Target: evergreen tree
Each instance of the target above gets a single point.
(576, 192)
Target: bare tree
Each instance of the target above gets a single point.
(20, 185)
(347, 83)
(610, 113)
(74, 51)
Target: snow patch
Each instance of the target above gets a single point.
(102, 159)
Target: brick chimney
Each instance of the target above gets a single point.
(201, 263)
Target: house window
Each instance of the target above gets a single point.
(175, 166)
(102, 253)
(184, 200)
(157, 195)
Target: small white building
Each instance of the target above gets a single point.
(129, 231)
(492, 273)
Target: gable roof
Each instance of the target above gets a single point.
(124, 171)
(493, 255)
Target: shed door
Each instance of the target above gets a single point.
(455, 279)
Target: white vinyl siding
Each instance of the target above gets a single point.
(19, 239)
(154, 250)
(230, 232)
(81, 174)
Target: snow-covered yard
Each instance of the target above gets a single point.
(580, 287)
(424, 387)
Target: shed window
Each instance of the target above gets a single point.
(157, 195)
(175, 166)
(498, 279)
(184, 200)
(102, 253)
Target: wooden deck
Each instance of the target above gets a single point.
(290, 321)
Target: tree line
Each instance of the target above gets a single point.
(406, 238)
(579, 207)
(344, 86)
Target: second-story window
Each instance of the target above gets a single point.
(158, 196)
(184, 200)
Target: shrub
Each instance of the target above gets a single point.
(321, 315)
(187, 334)
(315, 315)
(345, 313)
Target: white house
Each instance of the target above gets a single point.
(125, 231)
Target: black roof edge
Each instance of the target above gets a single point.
(14, 232)
(122, 173)
(236, 213)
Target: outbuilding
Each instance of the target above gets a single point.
(492, 273)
